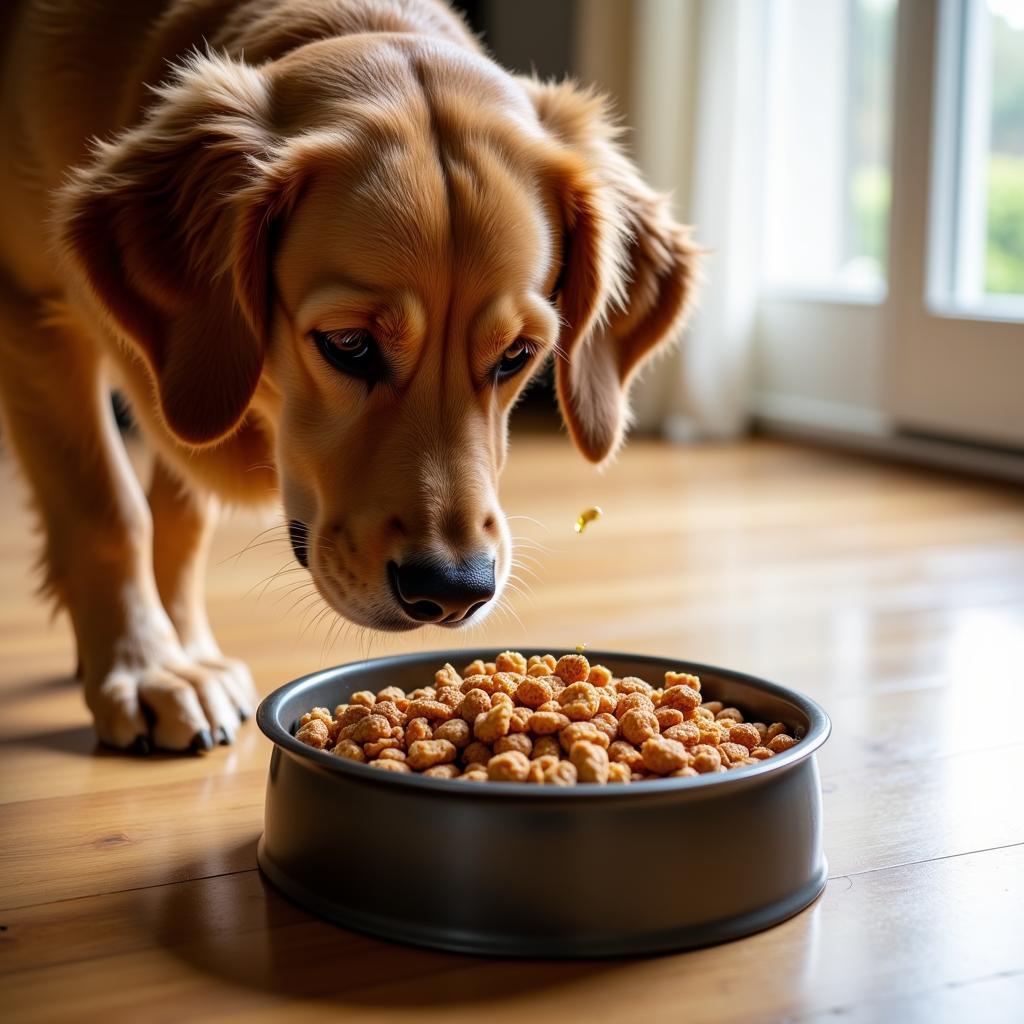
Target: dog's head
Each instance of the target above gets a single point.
(389, 240)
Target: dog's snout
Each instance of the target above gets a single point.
(443, 592)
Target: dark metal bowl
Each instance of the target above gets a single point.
(543, 871)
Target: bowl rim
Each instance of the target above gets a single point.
(269, 721)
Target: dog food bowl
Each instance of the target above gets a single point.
(543, 871)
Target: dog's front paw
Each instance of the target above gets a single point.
(170, 701)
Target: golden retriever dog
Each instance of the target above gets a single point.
(322, 245)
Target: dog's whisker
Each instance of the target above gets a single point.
(286, 569)
(253, 543)
(530, 519)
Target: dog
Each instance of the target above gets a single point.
(321, 245)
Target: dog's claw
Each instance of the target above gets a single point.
(244, 714)
(222, 737)
(201, 741)
(141, 746)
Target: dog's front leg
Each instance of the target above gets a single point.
(142, 688)
(183, 523)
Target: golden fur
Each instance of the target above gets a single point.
(317, 165)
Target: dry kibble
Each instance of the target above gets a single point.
(520, 720)
(321, 713)
(572, 668)
(562, 773)
(681, 679)
(427, 753)
(476, 702)
(662, 755)
(687, 733)
(418, 729)
(477, 753)
(706, 758)
(455, 731)
(506, 682)
(579, 701)
(538, 766)
(373, 750)
(478, 682)
(634, 699)
(368, 729)
(511, 766)
(511, 661)
(390, 766)
(590, 761)
(711, 733)
(349, 750)
(390, 711)
(450, 696)
(352, 714)
(638, 725)
(492, 724)
(579, 731)
(314, 733)
(733, 753)
(545, 721)
(447, 675)
(746, 734)
(625, 753)
(607, 723)
(514, 741)
(667, 717)
(432, 710)
(547, 746)
(684, 698)
(534, 691)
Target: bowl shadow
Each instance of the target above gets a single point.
(238, 929)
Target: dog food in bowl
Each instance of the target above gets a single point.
(546, 721)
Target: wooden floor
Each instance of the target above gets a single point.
(129, 890)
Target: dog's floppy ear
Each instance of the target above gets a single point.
(628, 269)
(167, 224)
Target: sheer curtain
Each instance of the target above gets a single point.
(688, 77)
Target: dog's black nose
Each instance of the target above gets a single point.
(298, 534)
(440, 592)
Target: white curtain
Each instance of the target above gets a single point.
(689, 78)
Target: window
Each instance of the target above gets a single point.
(829, 127)
(978, 208)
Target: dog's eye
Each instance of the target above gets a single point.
(354, 352)
(513, 359)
